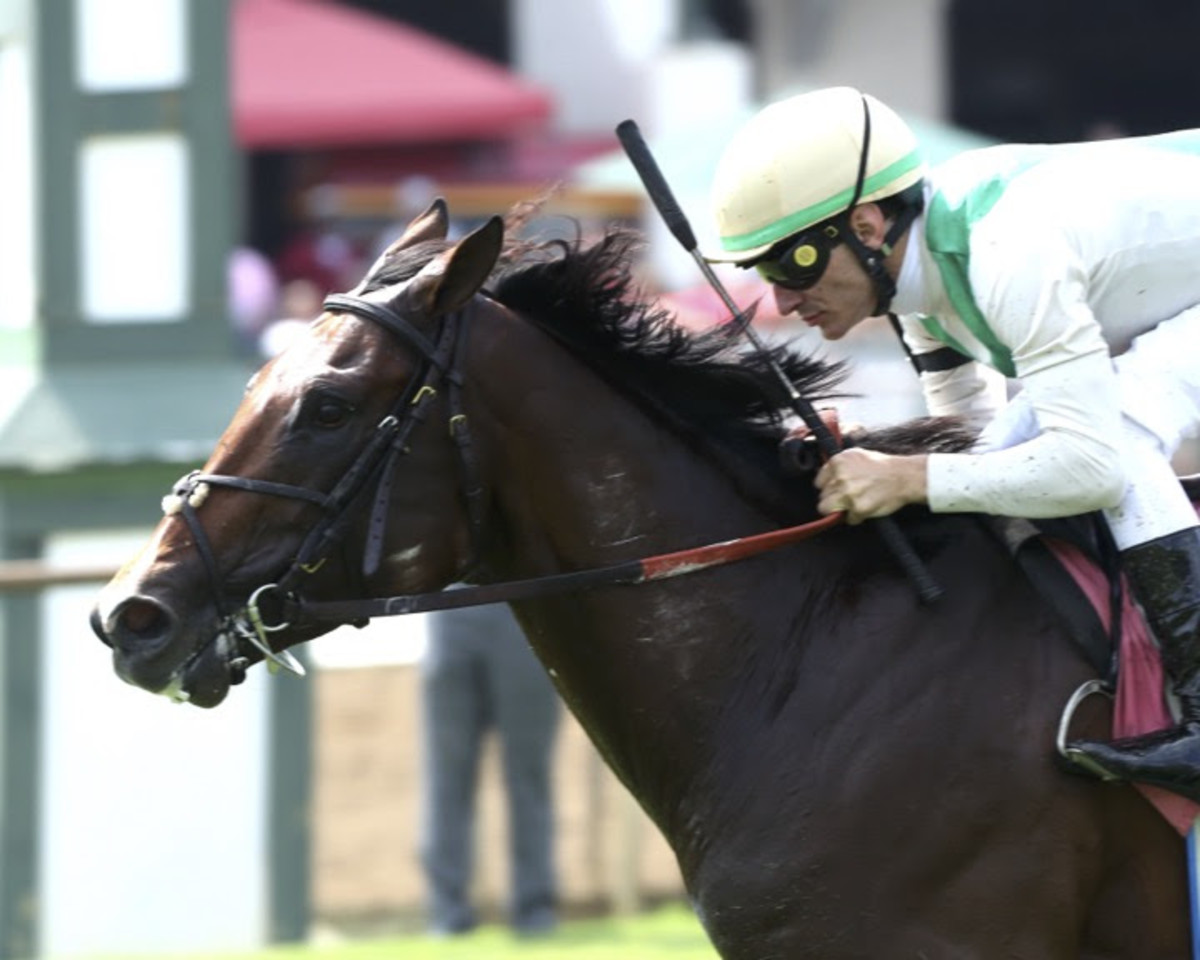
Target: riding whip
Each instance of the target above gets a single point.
(643, 161)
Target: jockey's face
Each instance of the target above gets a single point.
(844, 295)
(835, 304)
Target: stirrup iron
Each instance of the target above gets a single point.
(1077, 757)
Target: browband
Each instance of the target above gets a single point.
(388, 318)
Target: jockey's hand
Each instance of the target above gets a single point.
(867, 484)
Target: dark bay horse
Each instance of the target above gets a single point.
(842, 772)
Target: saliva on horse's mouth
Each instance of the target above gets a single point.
(222, 662)
(206, 676)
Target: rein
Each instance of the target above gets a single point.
(646, 570)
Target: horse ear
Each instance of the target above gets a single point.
(455, 277)
(430, 225)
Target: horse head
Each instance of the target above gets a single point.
(298, 490)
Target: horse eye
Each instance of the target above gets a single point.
(331, 412)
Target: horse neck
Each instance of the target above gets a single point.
(585, 478)
(581, 479)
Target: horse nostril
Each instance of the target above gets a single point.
(140, 621)
(97, 623)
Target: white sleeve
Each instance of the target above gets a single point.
(1032, 287)
(971, 391)
(1072, 466)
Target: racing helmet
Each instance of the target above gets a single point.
(802, 160)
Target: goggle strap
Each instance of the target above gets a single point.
(863, 155)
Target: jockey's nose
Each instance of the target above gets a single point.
(786, 299)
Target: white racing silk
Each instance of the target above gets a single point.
(1073, 254)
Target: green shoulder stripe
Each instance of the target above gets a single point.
(950, 220)
(948, 225)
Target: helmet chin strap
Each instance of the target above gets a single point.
(872, 258)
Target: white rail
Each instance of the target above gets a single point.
(36, 574)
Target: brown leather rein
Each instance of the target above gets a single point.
(646, 570)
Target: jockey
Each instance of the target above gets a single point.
(1073, 270)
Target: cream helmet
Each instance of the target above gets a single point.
(803, 160)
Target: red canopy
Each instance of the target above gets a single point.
(308, 73)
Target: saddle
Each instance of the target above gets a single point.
(1075, 566)
(1040, 548)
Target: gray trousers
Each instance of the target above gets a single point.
(478, 674)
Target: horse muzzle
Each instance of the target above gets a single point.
(151, 651)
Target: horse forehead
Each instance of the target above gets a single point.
(329, 343)
(315, 354)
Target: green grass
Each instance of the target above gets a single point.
(671, 933)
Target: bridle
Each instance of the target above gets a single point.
(442, 361)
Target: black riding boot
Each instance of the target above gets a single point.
(1165, 577)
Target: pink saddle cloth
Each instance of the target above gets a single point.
(1140, 705)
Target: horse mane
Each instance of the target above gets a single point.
(723, 399)
(920, 435)
(705, 387)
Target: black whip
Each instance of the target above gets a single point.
(643, 161)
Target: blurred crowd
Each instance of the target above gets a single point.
(270, 299)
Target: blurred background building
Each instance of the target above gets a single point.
(182, 178)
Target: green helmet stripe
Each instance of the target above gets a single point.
(797, 221)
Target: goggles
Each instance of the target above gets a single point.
(800, 260)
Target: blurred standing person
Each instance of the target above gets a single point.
(479, 673)
(324, 256)
(300, 303)
(253, 295)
